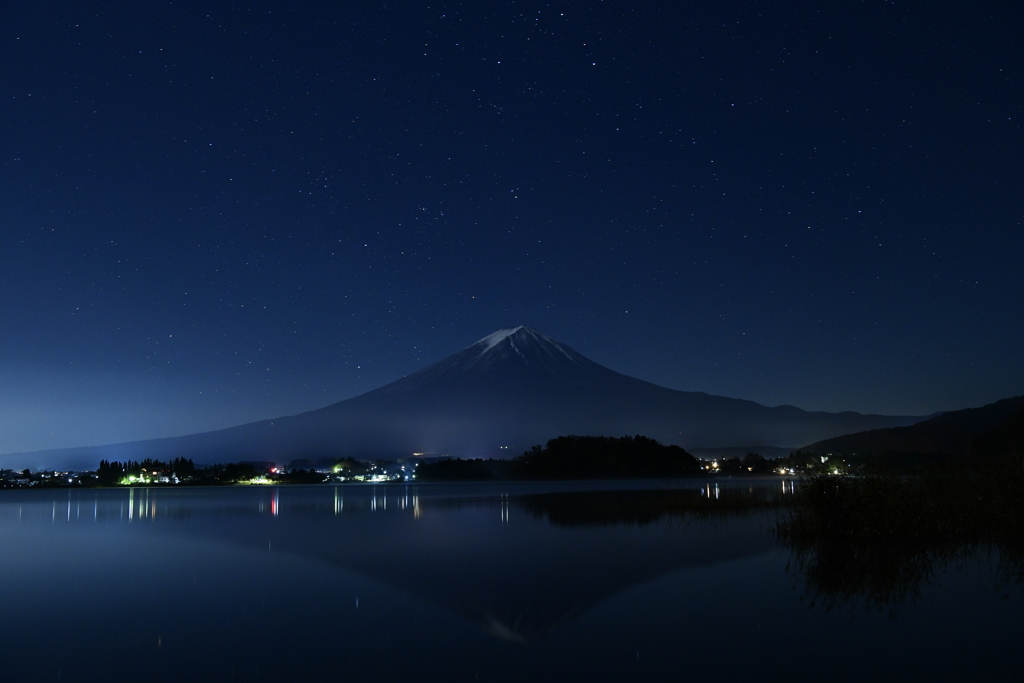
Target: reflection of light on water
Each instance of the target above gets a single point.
(415, 501)
(706, 491)
(143, 502)
(383, 500)
(147, 506)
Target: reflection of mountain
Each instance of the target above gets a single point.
(504, 394)
(641, 507)
(490, 559)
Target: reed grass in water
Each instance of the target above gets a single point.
(878, 540)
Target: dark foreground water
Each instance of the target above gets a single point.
(466, 583)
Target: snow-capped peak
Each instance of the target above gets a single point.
(526, 343)
(495, 338)
(509, 352)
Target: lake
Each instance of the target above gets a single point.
(494, 582)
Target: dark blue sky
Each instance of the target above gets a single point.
(212, 213)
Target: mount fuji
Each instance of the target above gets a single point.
(498, 397)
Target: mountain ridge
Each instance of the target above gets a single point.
(501, 395)
(952, 433)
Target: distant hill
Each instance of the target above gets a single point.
(997, 425)
(511, 390)
(1004, 440)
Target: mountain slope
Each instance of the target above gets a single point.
(498, 397)
(948, 434)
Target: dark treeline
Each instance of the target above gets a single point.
(457, 469)
(573, 457)
(569, 457)
(110, 473)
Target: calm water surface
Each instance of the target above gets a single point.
(460, 583)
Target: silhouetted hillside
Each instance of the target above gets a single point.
(949, 434)
(1005, 440)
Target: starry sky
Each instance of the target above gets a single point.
(218, 212)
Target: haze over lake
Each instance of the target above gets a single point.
(502, 582)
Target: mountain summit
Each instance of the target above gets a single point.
(511, 390)
(514, 355)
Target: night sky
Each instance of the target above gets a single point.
(213, 213)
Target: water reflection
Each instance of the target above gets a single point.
(147, 504)
(517, 576)
(891, 577)
(508, 582)
(640, 508)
